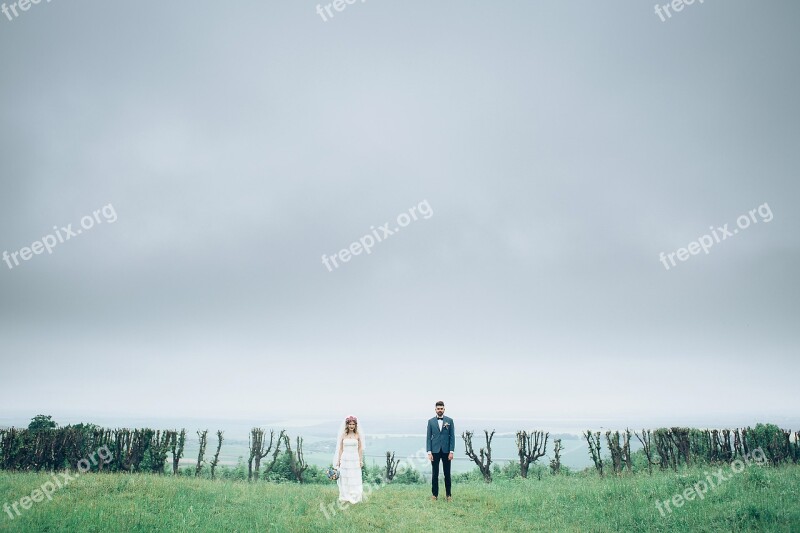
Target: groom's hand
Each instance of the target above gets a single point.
(430, 457)
(450, 456)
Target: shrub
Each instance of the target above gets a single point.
(407, 476)
(770, 438)
(41, 422)
(238, 472)
(469, 477)
(511, 470)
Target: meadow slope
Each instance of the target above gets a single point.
(759, 499)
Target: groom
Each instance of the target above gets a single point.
(440, 443)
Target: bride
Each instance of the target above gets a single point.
(349, 458)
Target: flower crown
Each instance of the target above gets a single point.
(351, 418)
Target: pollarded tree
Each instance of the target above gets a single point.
(484, 460)
(391, 466)
(668, 456)
(259, 449)
(177, 443)
(131, 446)
(215, 461)
(680, 440)
(158, 449)
(297, 462)
(616, 451)
(530, 447)
(203, 436)
(555, 464)
(647, 446)
(593, 440)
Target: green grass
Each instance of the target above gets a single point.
(758, 499)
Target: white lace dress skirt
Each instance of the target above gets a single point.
(350, 485)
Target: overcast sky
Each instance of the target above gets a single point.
(561, 146)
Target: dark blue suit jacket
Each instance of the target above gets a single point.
(441, 441)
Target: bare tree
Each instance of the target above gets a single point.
(616, 451)
(647, 447)
(215, 461)
(714, 445)
(484, 461)
(626, 450)
(391, 466)
(555, 464)
(593, 440)
(131, 447)
(704, 443)
(258, 451)
(680, 439)
(296, 461)
(666, 452)
(620, 454)
(4, 441)
(530, 447)
(738, 443)
(178, 442)
(158, 450)
(203, 436)
(726, 450)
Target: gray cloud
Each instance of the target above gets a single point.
(561, 146)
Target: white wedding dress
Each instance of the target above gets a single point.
(350, 484)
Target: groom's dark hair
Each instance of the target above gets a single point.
(440, 402)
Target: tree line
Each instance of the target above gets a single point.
(44, 446)
(664, 447)
(680, 446)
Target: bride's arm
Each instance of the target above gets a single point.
(360, 453)
(341, 449)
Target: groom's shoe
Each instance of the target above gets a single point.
(434, 498)
(449, 498)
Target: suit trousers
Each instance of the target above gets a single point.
(435, 477)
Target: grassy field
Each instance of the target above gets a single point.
(758, 499)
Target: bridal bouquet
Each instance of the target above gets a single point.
(332, 474)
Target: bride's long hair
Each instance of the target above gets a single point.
(347, 429)
(344, 431)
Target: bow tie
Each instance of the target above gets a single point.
(440, 418)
